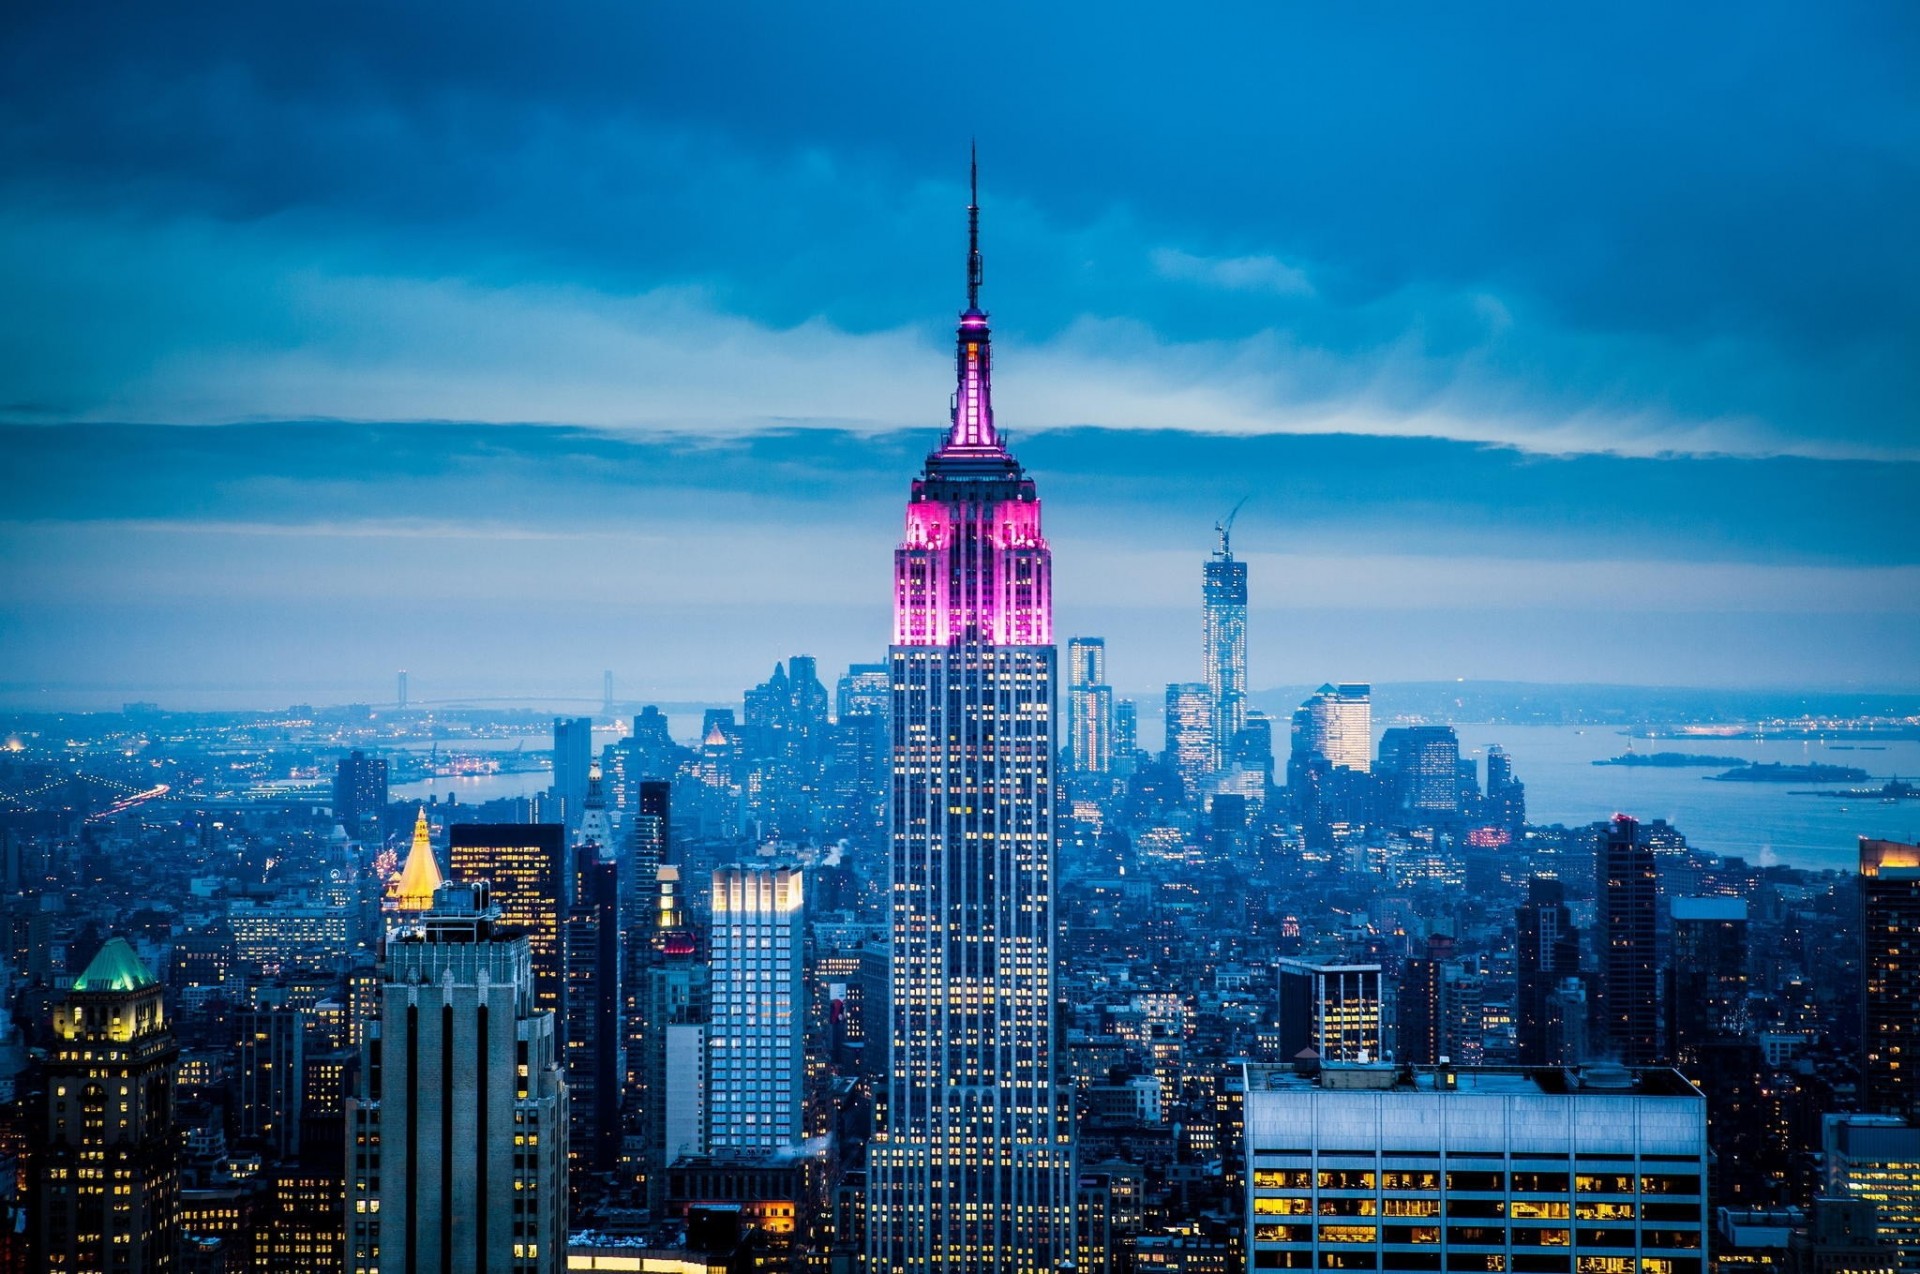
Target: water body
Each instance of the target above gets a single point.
(1761, 822)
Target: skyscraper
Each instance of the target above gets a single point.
(106, 1174)
(1089, 706)
(572, 756)
(270, 1068)
(1876, 1158)
(1506, 795)
(595, 1035)
(1547, 954)
(651, 843)
(973, 1170)
(360, 792)
(1706, 974)
(1190, 735)
(1338, 724)
(1629, 992)
(461, 1120)
(670, 1057)
(1890, 893)
(1223, 641)
(1423, 762)
(757, 1045)
(641, 889)
(525, 867)
(1126, 736)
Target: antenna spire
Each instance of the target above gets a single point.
(975, 269)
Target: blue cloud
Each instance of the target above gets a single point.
(1694, 240)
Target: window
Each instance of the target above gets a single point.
(1481, 1181)
(1282, 1206)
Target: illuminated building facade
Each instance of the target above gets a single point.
(459, 1131)
(1190, 735)
(1223, 633)
(1089, 706)
(1890, 888)
(1423, 762)
(973, 1169)
(757, 1044)
(524, 865)
(105, 1180)
(1337, 722)
(1337, 1010)
(1602, 1171)
(1876, 1158)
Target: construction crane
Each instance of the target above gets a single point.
(1225, 529)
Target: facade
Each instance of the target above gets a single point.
(642, 880)
(1602, 1171)
(1629, 995)
(595, 1037)
(458, 1136)
(270, 1066)
(675, 1009)
(360, 792)
(972, 1169)
(757, 1044)
(1547, 955)
(1876, 1158)
(1126, 735)
(1089, 706)
(1223, 643)
(1339, 724)
(1190, 734)
(525, 867)
(105, 1176)
(572, 758)
(1706, 975)
(1890, 889)
(1424, 764)
(1337, 1010)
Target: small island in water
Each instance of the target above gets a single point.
(1670, 760)
(1777, 773)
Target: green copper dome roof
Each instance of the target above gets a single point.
(116, 968)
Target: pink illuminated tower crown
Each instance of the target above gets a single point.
(974, 565)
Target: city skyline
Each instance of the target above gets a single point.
(677, 852)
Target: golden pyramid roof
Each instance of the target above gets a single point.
(420, 876)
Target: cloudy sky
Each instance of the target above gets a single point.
(509, 345)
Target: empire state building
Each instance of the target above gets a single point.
(972, 1169)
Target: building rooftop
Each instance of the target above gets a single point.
(1709, 908)
(1522, 1081)
(115, 968)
